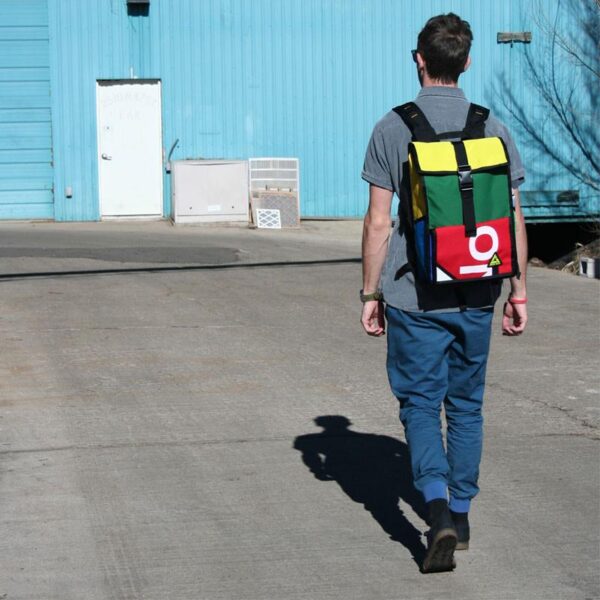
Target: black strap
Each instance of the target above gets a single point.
(417, 122)
(402, 271)
(465, 183)
(475, 124)
(422, 131)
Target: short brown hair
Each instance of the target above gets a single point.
(444, 44)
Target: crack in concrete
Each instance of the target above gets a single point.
(565, 411)
(174, 443)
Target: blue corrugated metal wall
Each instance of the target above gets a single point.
(25, 134)
(260, 78)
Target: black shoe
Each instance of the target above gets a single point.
(461, 523)
(442, 539)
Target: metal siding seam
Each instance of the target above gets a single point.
(93, 210)
(232, 77)
(265, 80)
(359, 108)
(318, 186)
(161, 53)
(217, 97)
(347, 125)
(332, 157)
(298, 115)
(188, 124)
(55, 115)
(259, 83)
(67, 94)
(207, 50)
(188, 134)
(205, 83)
(75, 92)
(245, 62)
(226, 43)
(344, 126)
(279, 97)
(308, 161)
(240, 81)
(366, 99)
(89, 133)
(354, 72)
(79, 145)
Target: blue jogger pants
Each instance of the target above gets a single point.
(435, 359)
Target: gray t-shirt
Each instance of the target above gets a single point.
(446, 109)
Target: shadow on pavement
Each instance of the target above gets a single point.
(373, 470)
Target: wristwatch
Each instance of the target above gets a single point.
(368, 297)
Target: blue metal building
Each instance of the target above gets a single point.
(241, 78)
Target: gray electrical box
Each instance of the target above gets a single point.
(209, 191)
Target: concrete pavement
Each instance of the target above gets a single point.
(157, 434)
(128, 245)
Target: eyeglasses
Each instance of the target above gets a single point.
(414, 54)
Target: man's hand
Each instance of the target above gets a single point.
(373, 319)
(514, 319)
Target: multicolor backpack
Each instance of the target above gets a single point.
(460, 200)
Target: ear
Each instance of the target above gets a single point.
(420, 62)
(468, 63)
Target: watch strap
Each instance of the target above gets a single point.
(369, 297)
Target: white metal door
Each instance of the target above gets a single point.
(129, 148)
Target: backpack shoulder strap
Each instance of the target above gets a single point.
(475, 124)
(417, 122)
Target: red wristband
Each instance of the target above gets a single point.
(517, 300)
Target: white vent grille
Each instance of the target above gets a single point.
(276, 174)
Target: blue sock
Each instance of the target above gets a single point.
(459, 505)
(435, 490)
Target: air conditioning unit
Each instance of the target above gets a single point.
(208, 191)
(275, 186)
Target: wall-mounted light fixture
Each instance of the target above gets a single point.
(138, 8)
(523, 37)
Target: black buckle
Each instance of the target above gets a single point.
(465, 179)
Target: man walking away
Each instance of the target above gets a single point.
(438, 334)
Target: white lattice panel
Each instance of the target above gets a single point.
(268, 218)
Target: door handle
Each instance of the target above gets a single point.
(106, 157)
